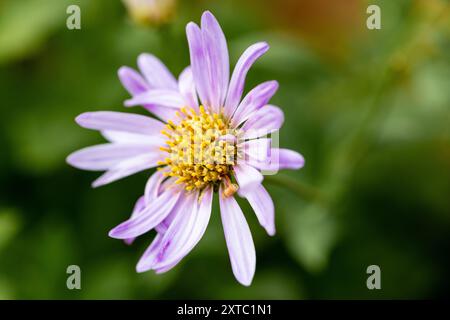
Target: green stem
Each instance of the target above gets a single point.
(303, 191)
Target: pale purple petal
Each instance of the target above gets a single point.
(127, 168)
(167, 267)
(138, 207)
(156, 73)
(132, 80)
(175, 235)
(262, 204)
(199, 63)
(186, 85)
(163, 226)
(147, 260)
(106, 156)
(215, 48)
(283, 159)
(120, 121)
(185, 231)
(290, 159)
(266, 120)
(163, 113)
(247, 177)
(239, 240)
(237, 81)
(136, 85)
(257, 150)
(158, 97)
(186, 205)
(254, 100)
(152, 188)
(149, 218)
(133, 138)
(179, 207)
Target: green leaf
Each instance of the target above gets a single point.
(9, 226)
(311, 235)
(26, 24)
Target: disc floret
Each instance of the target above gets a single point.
(198, 152)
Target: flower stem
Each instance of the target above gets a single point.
(303, 191)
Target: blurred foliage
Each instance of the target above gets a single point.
(26, 24)
(369, 110)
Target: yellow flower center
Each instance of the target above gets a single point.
(200, 150)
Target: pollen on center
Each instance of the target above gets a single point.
(197, 153)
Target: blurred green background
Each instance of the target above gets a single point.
(369, 110)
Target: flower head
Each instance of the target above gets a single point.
(150, 12)
(208, 141)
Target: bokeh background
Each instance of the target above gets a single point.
(369, 110)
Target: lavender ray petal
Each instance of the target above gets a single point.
(199, 63)
(120, 121)
(247, 177)
(132, 80)
(180, 241)
(256, 150)
(266, 120)
(177, 231)
(216, 50)
(239, 240)
(152, 188)
(158, 97)
(149, 218)
(186, 86)
(106, 156)
(254, 100)
(241, 69)
(156, 73)
(263, 207)
(133, 138)
(138, 207)
(128, 167)
(146, 261)
(283, 159)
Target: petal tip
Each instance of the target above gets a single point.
(69, 159)
(143, 56)
(208, 15)
(128, 241)
(115, 233)
(129, 103)
(245, 282)
(80, 119)
(122, 71)
(191, 26)
(264, 46)
(95, 184)
(275, 84)
(271, 231)
(300, 162)
(140, 267)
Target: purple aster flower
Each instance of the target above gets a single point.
(208, 140)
